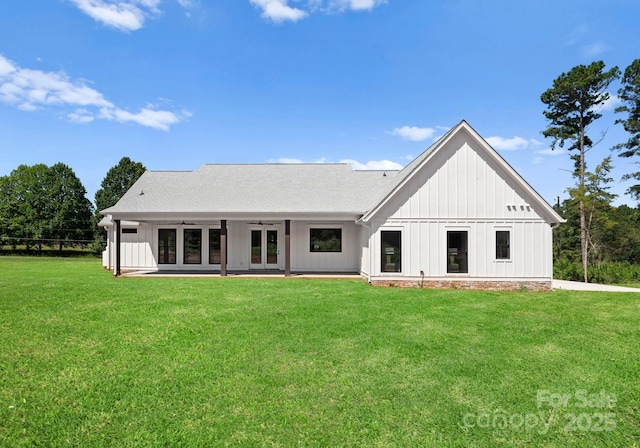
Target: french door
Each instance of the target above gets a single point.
(264, 249)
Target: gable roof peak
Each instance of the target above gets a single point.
(416, 165)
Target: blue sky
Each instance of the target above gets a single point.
(177, 83)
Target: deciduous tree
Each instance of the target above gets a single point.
(114, 185)
(117, 181)
(70, 211)
(40, 203)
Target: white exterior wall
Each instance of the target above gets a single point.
(462, 189)
(140, 251)
(303, 260)
(424, 249)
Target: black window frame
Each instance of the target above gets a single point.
(458, 256)
(164, 250)
(188, 246)
(316, 242)
(391, 251)
(503, 249)
(219, 241)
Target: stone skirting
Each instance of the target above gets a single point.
(483, 285)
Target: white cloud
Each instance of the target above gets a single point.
(413, 133)
(157, 119)
(187, 3)
(511, 144)
(387, 165)
(124, 15)
(80, 116)
(609, 104)
(373, 165)
(29, 90)
(551, 152)
(6, 67)
(285, 160)
(292, 160)
(279, 10)
(594, 49)
(355, 5)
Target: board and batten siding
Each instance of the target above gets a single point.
(303, 260)
(135, 248)
(424, 248)
(461, 189)
(460, 184)
(140, 250)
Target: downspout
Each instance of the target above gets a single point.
(366, 225)
(116, 272)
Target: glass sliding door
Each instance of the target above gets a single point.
(457, 259)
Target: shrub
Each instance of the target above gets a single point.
(610, 272)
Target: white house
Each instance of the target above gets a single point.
(457, 216)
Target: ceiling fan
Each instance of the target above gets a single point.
(183, 223)
(260, 223)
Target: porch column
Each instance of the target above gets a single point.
(287, 247)
(116, 271)
(223, 248)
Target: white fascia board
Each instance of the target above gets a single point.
(237, 216)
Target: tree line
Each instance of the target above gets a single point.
(595, 232)
(46, 206)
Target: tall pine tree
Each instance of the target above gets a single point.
(572, 105)
(629, 94)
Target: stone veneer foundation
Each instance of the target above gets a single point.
(482, 285)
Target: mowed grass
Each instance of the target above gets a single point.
(89, 360)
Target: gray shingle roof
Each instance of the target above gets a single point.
(260, 188)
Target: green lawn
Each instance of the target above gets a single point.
(89, 360)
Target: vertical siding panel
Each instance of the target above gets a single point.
(424, 246)
(528, 237)
(548, 250)
(541, 244)
(462, 182)
(490, 189)
(433, 197)
(452, 169)
(443, 192)
(480, 235)
(481, 188)
(527, 248)
(415, 243)
(472, 188)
